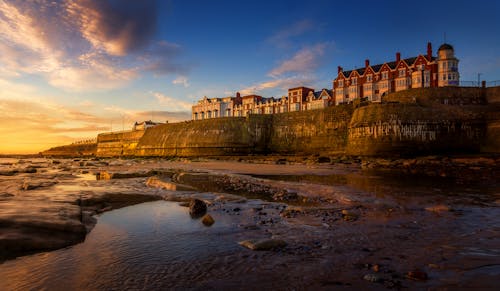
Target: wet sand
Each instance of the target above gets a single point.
(344, 227)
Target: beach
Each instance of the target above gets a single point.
(125, 223)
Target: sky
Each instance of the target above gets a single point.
(71, 69)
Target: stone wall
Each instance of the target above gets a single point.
(210, 137)
(412, 122)
(121, 143)
(492, 140)
(322, 131)
(72, 150)
(411, 129)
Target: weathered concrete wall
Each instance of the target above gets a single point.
(447, 95)
(492, 140)
(118, 143)
(410, 129)
(417, 121)
(72, 150)
(214, 137)
(311, 132)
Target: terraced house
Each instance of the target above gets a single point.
(372, 82)
(369, 83)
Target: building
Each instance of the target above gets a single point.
(215, 107)
(369, 83)
(319, 99)
(145, 125)
(372, 82)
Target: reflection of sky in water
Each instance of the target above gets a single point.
(126, 243)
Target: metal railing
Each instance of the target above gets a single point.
(86, 141)
(480, 84)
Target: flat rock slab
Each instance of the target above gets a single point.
(263, 245)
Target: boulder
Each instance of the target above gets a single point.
(197, 208)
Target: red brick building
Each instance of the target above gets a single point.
(373, 82)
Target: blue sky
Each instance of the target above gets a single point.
(72, 69)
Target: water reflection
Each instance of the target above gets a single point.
(123, 248)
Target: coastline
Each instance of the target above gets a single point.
(320, 210)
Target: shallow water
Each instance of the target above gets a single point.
(126, 248)
(158, 246)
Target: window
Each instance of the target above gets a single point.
(355, 81)
(341, 83)
(402, 72)
(385, 75)
(369, 78)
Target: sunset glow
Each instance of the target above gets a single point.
(72, 69)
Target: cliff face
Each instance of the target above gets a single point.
(417, 121)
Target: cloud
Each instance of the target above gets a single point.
(174, 104)
(181, 81)
(84, 45)
(283, 84)
(115, 26)
(283, 38)
(305, 60)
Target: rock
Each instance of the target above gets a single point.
(197, 208)
(104, 175)
(158, 183)
(35, 185)
(438, 208)
(284, 195)
(207, 220)
(417, 275)
(376, 268)
(281, 162)
(322, 160)
(263, 245)
(349, 216)
(373, 278)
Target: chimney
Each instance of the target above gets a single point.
(238, 95)
(429, 51)
(339, 68)
(367, 63)
(398, 56)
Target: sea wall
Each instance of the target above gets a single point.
(491, 143)
(412, 122)
(411, 129)
(322, 131)
(72, 150)
(121, 143)
(210, 137)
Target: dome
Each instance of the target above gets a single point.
(445, 46)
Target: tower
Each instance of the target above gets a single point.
(447, 66)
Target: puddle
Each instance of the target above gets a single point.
(126, 247)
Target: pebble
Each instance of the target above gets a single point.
(372, 278)
(417, 275)
(207, 220)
